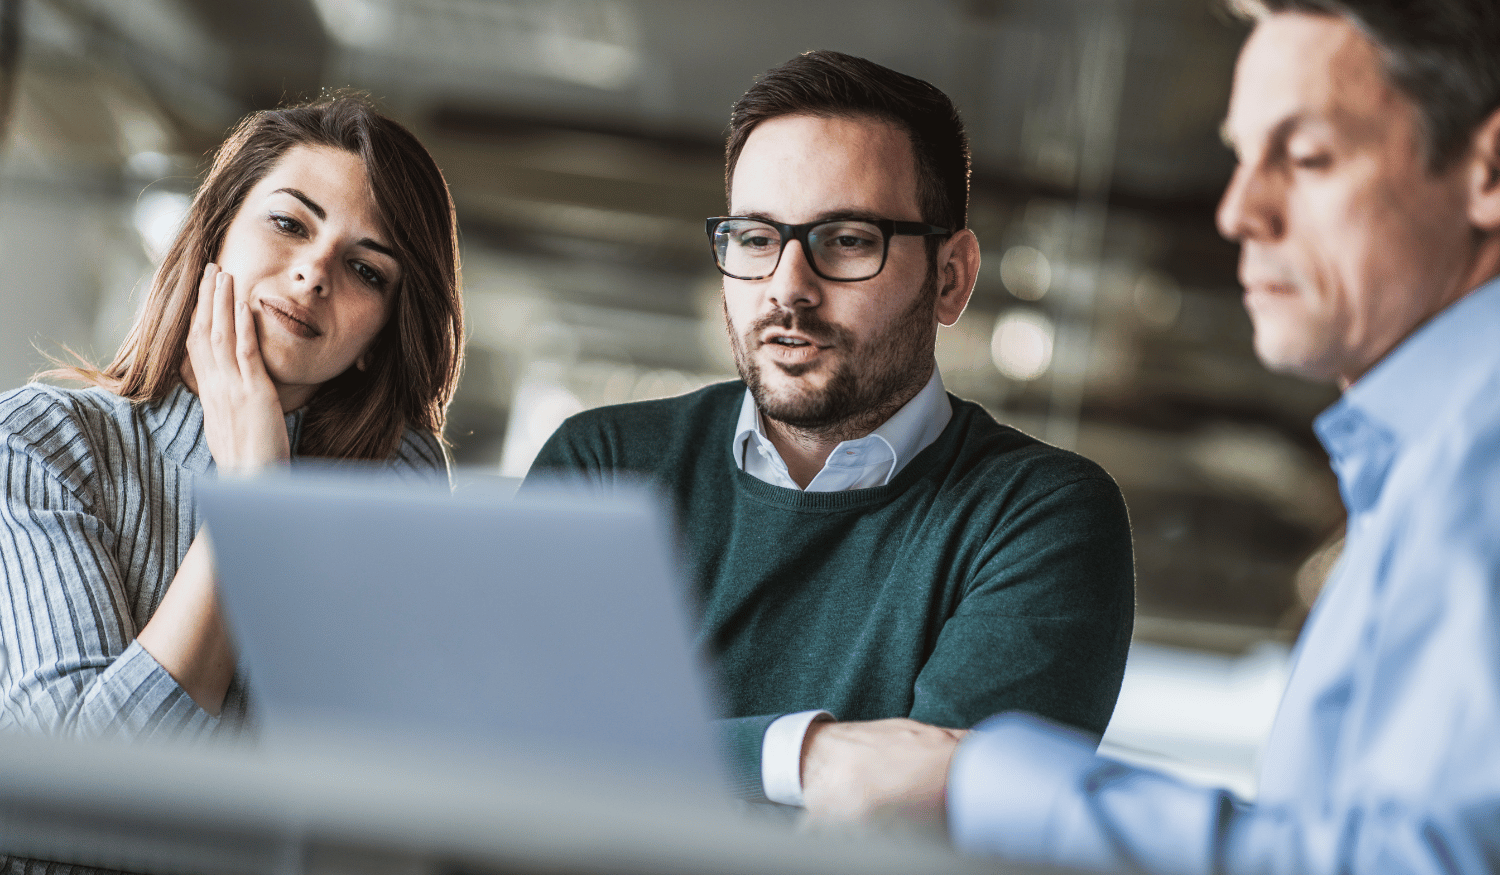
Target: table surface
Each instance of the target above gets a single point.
(330, 805)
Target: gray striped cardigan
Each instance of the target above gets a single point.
(98, 512)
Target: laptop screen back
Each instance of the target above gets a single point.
(550, 623)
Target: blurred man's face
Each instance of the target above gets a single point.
(1347, 242)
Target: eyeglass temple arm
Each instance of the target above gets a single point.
(917, 229)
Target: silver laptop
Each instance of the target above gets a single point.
(551, 623)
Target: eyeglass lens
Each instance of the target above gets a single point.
(841, 249)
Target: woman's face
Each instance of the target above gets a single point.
(306, 252)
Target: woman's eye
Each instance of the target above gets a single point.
(369, 275)
(286, 224)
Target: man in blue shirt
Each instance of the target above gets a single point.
(1367, 205)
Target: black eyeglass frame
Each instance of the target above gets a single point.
(888, 228)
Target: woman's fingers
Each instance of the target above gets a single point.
(203, 307)
(248, 362)
(223, 343)
(200, 359)
(247, 344)
(202, 314)
(242, 417)
(222, 336)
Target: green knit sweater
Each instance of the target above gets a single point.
(993, 573)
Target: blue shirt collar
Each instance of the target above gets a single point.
(1406, 395)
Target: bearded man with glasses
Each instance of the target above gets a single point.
(865, 545)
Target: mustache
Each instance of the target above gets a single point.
(807, 322)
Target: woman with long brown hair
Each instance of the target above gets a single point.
(309, 307)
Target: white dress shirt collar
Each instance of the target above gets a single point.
(858, 464)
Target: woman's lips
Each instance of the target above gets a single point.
(290, 317)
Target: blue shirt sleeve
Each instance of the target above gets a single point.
(1034, 791)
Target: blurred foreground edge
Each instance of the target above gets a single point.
(324, 807)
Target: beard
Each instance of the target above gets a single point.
(869, 379)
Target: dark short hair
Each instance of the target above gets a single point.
(1443, 54)
(833, 84)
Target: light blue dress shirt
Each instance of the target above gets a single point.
(1385, 754)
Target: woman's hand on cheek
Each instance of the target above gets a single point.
(242, 418)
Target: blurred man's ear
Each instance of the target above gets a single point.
(1484, 176)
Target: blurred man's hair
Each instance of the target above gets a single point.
(832, 84)
(1443, 54)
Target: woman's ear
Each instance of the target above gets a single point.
(1484, 176)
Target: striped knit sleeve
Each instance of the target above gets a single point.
(420, 456)
(72, 666)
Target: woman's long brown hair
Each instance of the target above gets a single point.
(414, 364)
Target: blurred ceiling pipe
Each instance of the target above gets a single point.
(10, 60)
(1104, 40)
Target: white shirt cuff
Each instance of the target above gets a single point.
(781, 756)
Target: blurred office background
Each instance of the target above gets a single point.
(582, 140)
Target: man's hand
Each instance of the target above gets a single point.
(877, 770)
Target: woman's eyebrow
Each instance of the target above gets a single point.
(371, 244)
(309, 202)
